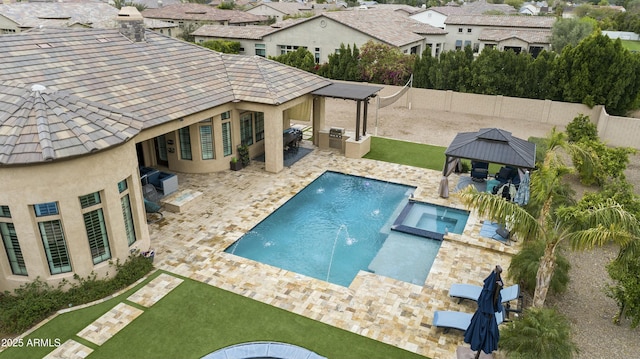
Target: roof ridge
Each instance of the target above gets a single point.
(270, 88)
(42, 126)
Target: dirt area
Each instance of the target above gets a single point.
(585, 304)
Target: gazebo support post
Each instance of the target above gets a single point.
(358, 120)
(364, 117)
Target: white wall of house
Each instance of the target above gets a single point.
(267, 11)
(8, 26)
(322, 37)
(431, 17)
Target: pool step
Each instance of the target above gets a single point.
(418, 232)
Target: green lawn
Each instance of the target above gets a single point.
(412, 154)
(631, 45)
(196, 319)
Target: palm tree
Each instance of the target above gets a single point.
(557, 220)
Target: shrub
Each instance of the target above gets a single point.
(524, 268)
(540, 333)
(581, 128)
(35, 301)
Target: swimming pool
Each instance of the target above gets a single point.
(335, 227)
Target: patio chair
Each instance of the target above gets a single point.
(479, 171)
(151, 203)
(448, 319)
(472, 292)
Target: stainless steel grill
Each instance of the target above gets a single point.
(335, 137)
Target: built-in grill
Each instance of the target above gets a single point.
(335, 137)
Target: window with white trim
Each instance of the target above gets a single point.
(206, 139)
(127, 213)
(316, 55)
(261, 50)
(285, 49)
(52, 234)
(11, 244)
(227, 145)
(95, 226)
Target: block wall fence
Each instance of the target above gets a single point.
(614, 130)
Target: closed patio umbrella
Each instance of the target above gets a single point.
(523, 194)
(483, 333)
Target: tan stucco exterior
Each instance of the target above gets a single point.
(64, 182)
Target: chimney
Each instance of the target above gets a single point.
(131, 24)
(159, 3)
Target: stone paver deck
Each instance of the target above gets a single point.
(155, 290)
(192, 244)
(70, 350)
(103, 328)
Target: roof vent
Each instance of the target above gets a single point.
(38, 88)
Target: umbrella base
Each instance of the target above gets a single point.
(467, 353)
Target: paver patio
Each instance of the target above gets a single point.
(192, 243)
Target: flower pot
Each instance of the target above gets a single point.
(236, 166)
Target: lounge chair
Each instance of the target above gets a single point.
(479, 171)
(472, 292)
(503, 233)
(448, 319)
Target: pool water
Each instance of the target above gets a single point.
(334, 228)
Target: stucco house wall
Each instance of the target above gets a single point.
(64, 182)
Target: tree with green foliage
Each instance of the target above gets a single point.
(581, 128)
(540, 333)
(119, 4)
(599, 71)
(343, 65)
(628, 20)
(626, 289)
(524, 268)
(570, 32)
(301, 59)
(422, 69)
(453, 71)
(383, 64)
(539, 79)
(226, 5)
(497, 72)
(226, 47)
(187, 32)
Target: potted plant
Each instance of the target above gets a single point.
(243, 153)
(235, 164)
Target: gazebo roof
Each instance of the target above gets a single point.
(495, 146)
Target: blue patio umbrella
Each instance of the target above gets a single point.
(483, 333)
(522, 196)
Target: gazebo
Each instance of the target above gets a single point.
(492, 145)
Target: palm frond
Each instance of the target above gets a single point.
(495, 208)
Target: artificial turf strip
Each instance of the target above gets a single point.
(195, 319)
(406, 153)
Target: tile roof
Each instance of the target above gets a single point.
(200, 12)
(543, 22)
(39, 124)
(249, 32)
(288, 8)
(30, 15)
(385, 25)
(524, 35)
(158, 80)
(473, 8)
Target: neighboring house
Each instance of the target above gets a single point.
(518, 33)
(278, 10)
(24, 16)
(436, 16)
(154, 4)
(323, 34)
(81, 110)
(534, 8)
(196, 15)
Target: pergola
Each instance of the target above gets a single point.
(491, 145)
(356, 92)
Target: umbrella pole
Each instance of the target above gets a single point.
(478, 353)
